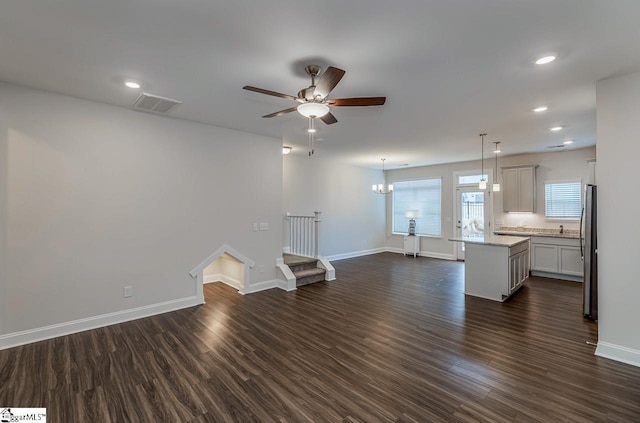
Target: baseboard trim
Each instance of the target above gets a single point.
(442, 256)
(211, 278)
(263, 286)
(430, 254)
(53, 331)
(355, 254)
(618, 353)
(557, 276)
(394, 250)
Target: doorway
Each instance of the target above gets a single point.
(472, 215)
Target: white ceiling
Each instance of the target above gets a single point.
(450, 69)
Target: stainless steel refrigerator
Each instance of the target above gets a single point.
(589, 251)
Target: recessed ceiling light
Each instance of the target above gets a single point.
(311, 130)
(286, 149)
(567, 142)
(540, 109)
(132, 84)
(497, 151)
(545, 60)
(556, 128)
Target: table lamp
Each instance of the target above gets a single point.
(412, 215)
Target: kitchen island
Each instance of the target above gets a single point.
(495, 266)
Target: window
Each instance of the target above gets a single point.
(472, 179)
(562, 200)
(425, 196)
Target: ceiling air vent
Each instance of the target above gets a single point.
(154, 104)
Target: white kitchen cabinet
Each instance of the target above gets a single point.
(412, 245)
(556, 257)
(519, 188)
(495, 267)
(570, 261)
(544, 257)
(518, 270)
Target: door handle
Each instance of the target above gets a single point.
(582, 216)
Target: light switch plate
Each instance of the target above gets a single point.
(264, 226)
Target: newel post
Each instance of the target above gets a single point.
(316, 221)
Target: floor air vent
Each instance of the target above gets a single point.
(154, 104)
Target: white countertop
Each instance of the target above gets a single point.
(556, 234)
(496, 240)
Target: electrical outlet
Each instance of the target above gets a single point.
(255, 227)
(128, 291)
(264, 226)
(262, 268)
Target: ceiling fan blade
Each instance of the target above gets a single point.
(357, 101)
(281, 112)
(328, 81)
(329, 118)
(268, 92)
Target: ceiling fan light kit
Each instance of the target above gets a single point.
(314, 101)
(313, 109)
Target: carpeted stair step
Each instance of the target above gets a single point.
(298, 263)
(305, 269)
(307, 276)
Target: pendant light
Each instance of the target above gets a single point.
(379, 189)
(496, 185)
(483, 183)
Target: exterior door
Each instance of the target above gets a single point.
(472, 215)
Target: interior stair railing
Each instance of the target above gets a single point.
(303, 241)
(303, 235)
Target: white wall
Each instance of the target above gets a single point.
(213, 269)
(3, 210)
(226, 269)
(100, 197)
(352, 216)
(570, 164)
(437, 247)
(618, 103)
(555, 166)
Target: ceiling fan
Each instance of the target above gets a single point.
(314, 101)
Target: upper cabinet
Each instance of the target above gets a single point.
(519, 192)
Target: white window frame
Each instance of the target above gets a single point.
(395, 184)
(562, 218)
(457, 177)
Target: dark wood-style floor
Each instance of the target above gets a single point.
(393, 339)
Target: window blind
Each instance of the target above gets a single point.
(563, 200)
(424, 196)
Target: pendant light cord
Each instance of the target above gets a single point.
(482, 158)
